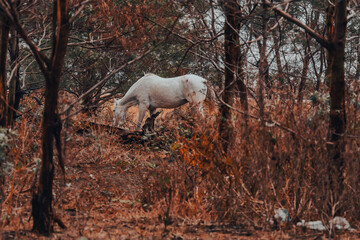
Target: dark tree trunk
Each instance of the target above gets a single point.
(4, 36)
(4, 40)
(51, 68)
(232, 26)
(14, 94)
(42, 212)
(319, 72)
(337, 126)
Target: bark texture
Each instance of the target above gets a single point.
(337, 126)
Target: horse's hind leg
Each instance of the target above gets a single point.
(149, 125)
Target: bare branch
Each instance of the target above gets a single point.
(80, 7)
(13, 15)
(319, 38)
(106, 78)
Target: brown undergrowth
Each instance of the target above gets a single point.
(177, 183)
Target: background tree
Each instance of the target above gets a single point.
(232, 57)
(14, 92)
(4, 42)
(335, 46)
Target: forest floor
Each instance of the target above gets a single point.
(100, 200)
(108, 179)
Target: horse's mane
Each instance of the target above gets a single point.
(148, 74)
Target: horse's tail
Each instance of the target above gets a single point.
(210, 94)
(211, 101)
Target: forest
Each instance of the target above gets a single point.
(268, 148)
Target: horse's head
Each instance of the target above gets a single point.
(119, 113)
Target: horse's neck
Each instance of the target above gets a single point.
(129, 100)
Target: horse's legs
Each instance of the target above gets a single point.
(152, 111)
(142, 110)
(150, 121)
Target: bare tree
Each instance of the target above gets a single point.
(14, 93)
(51, 67)
(334, 43)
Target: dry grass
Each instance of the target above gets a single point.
(178, 183)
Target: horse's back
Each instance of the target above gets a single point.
(160, 89)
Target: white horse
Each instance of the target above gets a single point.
(151, 92)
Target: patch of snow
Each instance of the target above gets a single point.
(314, 225)
(282, 215)
(340, 224)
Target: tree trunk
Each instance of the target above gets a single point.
(304, 71)
(242, 89)
(239, 74)
(231, 28)
(263, 65)
(51, 68)
(329, 36)
(14, 94)
(4, 40)
(357, 74)
(280, 70)
(42, 212)
(335, 45)
(337, 126)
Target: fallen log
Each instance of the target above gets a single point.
(86, 125)
(126, 136)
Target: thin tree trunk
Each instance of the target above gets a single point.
(357, 74)
(329, 36)
(14, 94)
(239, 72)
(242, 89)
(318, 73)
(304, 71)
(263, 66)
(4, 40)
(4, 36)
(280, 75)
